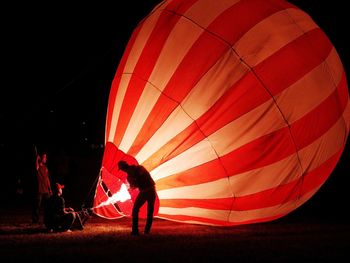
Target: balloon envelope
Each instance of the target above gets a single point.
(239, 110)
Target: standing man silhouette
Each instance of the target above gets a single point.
(139, 177)
(43, 187)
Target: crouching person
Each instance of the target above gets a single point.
(59, 218)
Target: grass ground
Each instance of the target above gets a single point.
(290, 239)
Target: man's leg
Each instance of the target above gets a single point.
(36, 208)
(140, 200)
(151, 199)
(68, 221)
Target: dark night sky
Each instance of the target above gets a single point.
(58, 62)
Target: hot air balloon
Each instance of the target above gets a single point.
(238, 108)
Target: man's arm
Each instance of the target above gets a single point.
(68, 209)
(37, 161)
(132, 181)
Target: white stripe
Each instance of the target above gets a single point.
(149, 97)
(324, 147)
(141, 40)
(271, 34)
(196, 212)
(125, 79)
(215, 189)
(309, 91)
(187, 221)
(174, 50)
(204, 12)
(267, 177)
(174, 124)
(335, 65)
(135, 52)
(198, 154)
(214, 84)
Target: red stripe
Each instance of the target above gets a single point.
(197, 175)
(117, 78)
(111, 156)
(203, 220)
(344, 90)
(191, 72)
(257, 220)
(180, 6)
(243, 16)
(322, 118)
(216, 204)
(263, 151)
(293, 61)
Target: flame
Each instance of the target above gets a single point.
(122, 195)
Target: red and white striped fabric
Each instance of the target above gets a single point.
(239, 110)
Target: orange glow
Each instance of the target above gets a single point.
(121, 196)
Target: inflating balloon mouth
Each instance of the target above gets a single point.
(113, 194)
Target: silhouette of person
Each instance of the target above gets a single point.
(58, 217)
(43, 186)
(139, 177)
